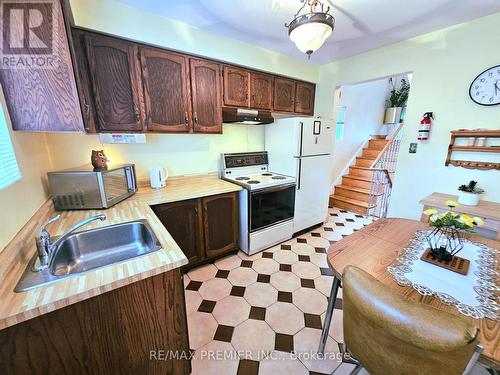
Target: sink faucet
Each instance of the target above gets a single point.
(46, 247)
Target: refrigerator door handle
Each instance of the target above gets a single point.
(317, 127)
(301, 137)
(299, 174)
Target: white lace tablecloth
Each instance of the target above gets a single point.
(475, 294)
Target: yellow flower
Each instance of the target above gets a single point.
(430, 211)
(467, 220)
(477, 220)
(451, 203)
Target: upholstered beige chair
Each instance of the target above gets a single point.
(391, 335)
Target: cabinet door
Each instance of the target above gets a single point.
(115, 82)
(206, 94)
(183, 220)
(261, 91)
(236, 87)
(166, 91)
(284, 95)
(42, 99)
(220, 222)
(304, 98)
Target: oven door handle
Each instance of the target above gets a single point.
(273, 189)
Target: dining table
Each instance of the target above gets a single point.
(377, 246)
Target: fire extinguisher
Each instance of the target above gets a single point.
(425, 126)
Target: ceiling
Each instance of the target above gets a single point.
(361, 25)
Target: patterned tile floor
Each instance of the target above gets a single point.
(249, 314)
(263, 314)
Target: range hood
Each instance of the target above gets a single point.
(246, 116)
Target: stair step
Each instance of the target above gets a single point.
(370, 153)
(349, 204)
(361, 171)
(364, 162)
(356, 181)
(353, 192)
(377, 144)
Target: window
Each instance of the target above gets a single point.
(9, 170)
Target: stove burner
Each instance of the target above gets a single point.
(253, 182)
(267, 174)
(278, 178)
(243, 178)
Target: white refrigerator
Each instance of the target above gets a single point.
(303, 148)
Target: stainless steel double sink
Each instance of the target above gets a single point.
(92, 249)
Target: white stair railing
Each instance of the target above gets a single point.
(382, 171)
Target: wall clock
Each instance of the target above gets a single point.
(485, 89)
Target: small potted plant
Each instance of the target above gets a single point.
(446, 239)
(397, 100)
(469, 194)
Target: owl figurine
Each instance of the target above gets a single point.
(99, 161)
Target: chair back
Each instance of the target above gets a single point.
(390, 334)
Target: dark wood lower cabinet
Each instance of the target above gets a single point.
(183, 221)
(113, 333)
(204, 228)
(220, 221)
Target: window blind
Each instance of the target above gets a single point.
(9, 169)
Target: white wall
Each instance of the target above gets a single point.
(365, 104)
(20, 200)
(180, 153)
(443, 65)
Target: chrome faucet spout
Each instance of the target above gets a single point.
(44, 244)
(54, 245)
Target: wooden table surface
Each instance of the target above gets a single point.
(18, 307)
(377, 246)
(487, 210)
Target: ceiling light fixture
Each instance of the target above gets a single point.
(310, 30)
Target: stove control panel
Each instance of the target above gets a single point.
(245, 159)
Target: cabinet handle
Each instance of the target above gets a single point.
(196, 118)
(136, 113)
(186, 118)
(86, 106)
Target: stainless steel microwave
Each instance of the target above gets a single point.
(83, 188)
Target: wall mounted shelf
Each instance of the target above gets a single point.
(470, 164)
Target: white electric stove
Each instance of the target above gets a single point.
(267, 201)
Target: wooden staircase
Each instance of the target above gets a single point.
(354, 191)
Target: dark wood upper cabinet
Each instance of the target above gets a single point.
(115, 82)
(43, 99)
(206, 94)
(304, 98)
(261, 91)
(166, 90)
(284, 94)
(236, 87)
(183, 220)
(220, 221)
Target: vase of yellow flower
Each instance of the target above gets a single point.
(446, 239)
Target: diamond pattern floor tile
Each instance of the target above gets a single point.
(285, 318)
(254, 310)
(231, 311)
(242, 276)
(261, 294)
(265, 265)
(254, 336)
(215, 289)
(310, 301)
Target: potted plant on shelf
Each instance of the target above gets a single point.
(446, 239)
(469, 194)
(397, 100)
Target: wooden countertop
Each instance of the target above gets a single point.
(377, 246)
(485, 209)
(18, 307)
